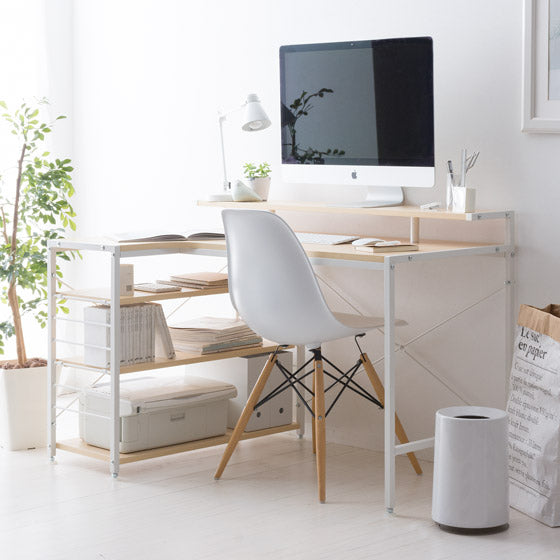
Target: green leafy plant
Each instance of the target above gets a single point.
(34, 211)
(253, 171)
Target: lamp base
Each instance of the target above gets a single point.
(220, 197)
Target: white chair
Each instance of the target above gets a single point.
(274, 289)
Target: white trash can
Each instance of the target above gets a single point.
(470, 489)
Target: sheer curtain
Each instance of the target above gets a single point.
(35, 62)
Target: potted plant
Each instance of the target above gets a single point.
(259, 178)
(34, 208)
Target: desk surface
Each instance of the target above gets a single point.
(389, 211)
(336, 252)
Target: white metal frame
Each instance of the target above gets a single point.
(114, 369)
(389, 268)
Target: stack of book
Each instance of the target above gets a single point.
(143, 334)
(198, 280)
(206, 335)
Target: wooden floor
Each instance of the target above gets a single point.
(265, 507)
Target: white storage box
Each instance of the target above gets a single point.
(156, 411)
(243, 372)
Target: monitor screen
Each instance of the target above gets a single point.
(362, 103)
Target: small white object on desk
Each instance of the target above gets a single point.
(367, 241)
(127, 279)
(464, 199)
(242, 193)
(324, 238)
(430, 206)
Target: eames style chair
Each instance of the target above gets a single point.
(275, 291)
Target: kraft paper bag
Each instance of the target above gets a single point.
(534, 415)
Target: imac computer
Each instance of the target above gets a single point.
(359, 113)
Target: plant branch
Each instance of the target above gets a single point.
(5, 232)
(16, 203)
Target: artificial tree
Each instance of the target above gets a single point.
(36, 209)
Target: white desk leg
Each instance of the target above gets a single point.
(115, 337)
(510, 296)
(300, 409)
(389, 309)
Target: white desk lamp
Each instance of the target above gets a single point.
(255, 119)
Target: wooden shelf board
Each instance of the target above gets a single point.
(98, 295)
(404, 211)
(77, 445)
(185, 358)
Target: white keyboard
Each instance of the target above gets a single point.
(325, 238)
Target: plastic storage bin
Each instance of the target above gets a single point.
(243, 372)
(156, 411)
(471, 469)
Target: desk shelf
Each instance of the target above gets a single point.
(110, 297)
(181, 359)
(103, 295)
(78, 446)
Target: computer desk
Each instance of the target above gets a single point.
(347, 256)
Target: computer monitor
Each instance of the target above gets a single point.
(359, 113)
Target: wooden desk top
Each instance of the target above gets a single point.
(389, 211)
(339, 252)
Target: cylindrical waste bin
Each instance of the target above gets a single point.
(470, 489)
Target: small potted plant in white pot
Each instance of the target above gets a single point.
(34, 207)
(259, 178)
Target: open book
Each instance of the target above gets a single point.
(147, 236)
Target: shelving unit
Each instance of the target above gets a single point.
(112, 298)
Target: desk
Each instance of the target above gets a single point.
(327, 255)
(344, 255)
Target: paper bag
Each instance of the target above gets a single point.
(534, 415)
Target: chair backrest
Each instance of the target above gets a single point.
(271, 282)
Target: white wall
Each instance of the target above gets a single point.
(149, 77)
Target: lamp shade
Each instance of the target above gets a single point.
(255, 117)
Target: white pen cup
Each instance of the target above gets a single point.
(453, 180)
(464, 199)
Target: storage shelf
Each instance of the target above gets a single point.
(77, 445)
(404, 211)
(103, 295)
(183, 358)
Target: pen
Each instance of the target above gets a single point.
(463, 165)
(450, 168)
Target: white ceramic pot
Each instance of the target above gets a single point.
(23, 408)
(261, 185)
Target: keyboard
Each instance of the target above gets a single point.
(325, 238)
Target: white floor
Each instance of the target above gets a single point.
(265, 507)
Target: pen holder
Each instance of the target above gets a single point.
(463, 199)
(452, 182)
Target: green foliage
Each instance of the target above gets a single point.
(252, 171)
(41, 212)
(299, 108)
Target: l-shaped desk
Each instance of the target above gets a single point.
(326, 255)
(346, 255)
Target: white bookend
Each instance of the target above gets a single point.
(164, 344)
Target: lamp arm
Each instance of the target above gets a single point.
(221, 120)
(222, 116)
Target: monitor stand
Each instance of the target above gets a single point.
(376, 197)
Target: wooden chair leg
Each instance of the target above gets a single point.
(313, 417)
(246, 414)
(320, 438)
(380, 390)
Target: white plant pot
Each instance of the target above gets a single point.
(23, 408)
(261, 185)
